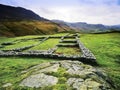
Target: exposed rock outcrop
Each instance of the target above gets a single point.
(39, 80)
(77, 76)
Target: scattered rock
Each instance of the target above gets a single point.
(7, 85)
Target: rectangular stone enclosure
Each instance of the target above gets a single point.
(65, 47)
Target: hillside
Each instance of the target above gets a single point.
(32, 27)
(18, 13)
(17, 21)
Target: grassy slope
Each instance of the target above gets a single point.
(107, 51)
(20, 28)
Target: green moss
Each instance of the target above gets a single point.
(46, 88)
(60, 87)
(60, 73)
(62, 80)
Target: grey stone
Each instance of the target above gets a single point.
(39, 80)
(52, 68)
(88, 84)
(77, 68)
(68, 64)
(75, 82)
(91, 84)
(7, 85)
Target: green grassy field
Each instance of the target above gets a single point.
(48, 44)
(106, 48)
(5, 39)
(20, 44)
(67, 43)
(59, 34)
(69, 39)
(68, 51)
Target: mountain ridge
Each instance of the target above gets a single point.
(85, 27)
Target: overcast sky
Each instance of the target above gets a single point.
(91, 11)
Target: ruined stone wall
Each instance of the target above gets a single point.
(86, 56)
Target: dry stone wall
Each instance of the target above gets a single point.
(86, 56)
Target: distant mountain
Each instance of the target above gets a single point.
(115, 26)
(17, 21)
(85, 27)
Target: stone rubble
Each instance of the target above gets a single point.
(7, 85)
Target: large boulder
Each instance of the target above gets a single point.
(39, 80)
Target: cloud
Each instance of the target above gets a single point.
(91, 11)
(100, 2)
(98, 14)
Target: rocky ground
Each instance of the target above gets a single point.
(73, 74)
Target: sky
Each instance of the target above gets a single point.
(91, 11)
